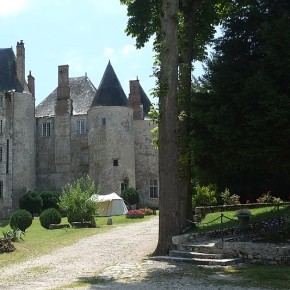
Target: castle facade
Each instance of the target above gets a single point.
(76, 130)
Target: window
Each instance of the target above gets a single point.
(85, 158)
(46, 129)
(104, 121)
(153, 188)
(115, 162)
(1, 153)
(1, 127)
(1, 101)
(125, 184)
(81, 130)
(1, 188)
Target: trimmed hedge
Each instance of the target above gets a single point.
(21, 219)
(49, 216)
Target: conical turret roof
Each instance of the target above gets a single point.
(110, 91)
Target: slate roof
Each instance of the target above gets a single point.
(145, 102)
(110, 91)
(82, 92)
(8, 77)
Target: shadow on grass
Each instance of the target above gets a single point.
(165, 275)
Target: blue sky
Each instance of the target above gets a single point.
(85, 34)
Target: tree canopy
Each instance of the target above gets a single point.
(241, 113)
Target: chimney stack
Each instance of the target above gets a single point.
(31, 84)
(20, 62)
(63, 90)
(135, 100)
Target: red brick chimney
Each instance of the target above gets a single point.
(135, 100)
(63, 90)
(20, 62)
(31, 84)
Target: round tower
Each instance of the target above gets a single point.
(111, 137)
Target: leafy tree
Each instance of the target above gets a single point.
(75, 200)
(241, 112)
(130, 195)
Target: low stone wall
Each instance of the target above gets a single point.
(200, 212)
(256, 253)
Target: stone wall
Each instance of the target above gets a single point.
(111, 147)
(146, 158)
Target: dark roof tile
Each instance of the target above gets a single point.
(110, 91)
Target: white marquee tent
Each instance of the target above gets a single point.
(110, 204)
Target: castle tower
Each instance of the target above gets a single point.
(17, 130)
(62, 128)
(111, 136)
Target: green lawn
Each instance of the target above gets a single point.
(39, 241)
(212, 221)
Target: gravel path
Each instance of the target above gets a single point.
(112, 260)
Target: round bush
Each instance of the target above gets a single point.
(31, 201)
(50, 199)
(49, 216)
(21, 219)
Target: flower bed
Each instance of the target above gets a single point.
(135, 214)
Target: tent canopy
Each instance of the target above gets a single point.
(110, 204)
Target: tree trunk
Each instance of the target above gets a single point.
(169, 216)
(188, 9)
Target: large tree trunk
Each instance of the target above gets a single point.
(188, 9)
(169, 216)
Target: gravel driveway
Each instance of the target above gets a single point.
(116, 259)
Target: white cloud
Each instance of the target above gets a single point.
(12, 7)
(109, 52)
(128, 49)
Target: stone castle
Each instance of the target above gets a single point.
(76, 130)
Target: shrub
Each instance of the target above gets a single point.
(13, 235)
(75, 200)
(147, 211)
(31, 202)
(21, 219)
(135, 214)
(50, 199)
(268, 198)
(49, 216)
(130, 195)
(204, 196)
(229, 199)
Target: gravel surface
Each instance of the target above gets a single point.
(117, 259)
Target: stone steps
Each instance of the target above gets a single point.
(202, 253)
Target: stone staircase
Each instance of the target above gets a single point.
(201, 253)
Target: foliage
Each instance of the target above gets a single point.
(75, 200)
(14, 235)
(50, 199)
(135, 214)
(240, 130)
(228, 198)
(21, 219)
(130, 195)
(204, 196)
(49, 216)
(267, 197)
(31, 202)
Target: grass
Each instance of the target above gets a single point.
(212, 221)
(39, 241)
